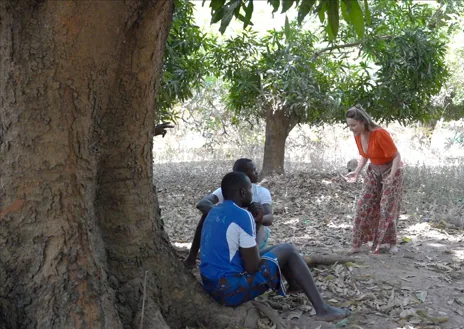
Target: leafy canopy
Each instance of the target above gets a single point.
(353, 12)
(186, 61)
(275, 73)
(397, 68)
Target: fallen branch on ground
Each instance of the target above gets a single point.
(317, 259)
(312, 260)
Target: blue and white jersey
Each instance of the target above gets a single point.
(226, 228)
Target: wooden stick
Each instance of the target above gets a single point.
(143, 299)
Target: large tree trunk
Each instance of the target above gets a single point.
(278, 126)
(78, 221)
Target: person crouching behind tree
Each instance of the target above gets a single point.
(232, 269)
(378, 208)
(262, 202)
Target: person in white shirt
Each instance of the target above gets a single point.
(233, 270)
(261, 202)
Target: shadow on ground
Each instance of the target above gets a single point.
(420, 287)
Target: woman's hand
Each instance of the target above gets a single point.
(388, 180)
(351, 177)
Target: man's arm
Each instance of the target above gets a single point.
(207, 203)
(268, 216)
(251, 258)
(248, 249)
(265, 199)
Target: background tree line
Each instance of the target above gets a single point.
(388, 56)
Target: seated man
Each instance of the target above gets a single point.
(232, 269)
(261, 196)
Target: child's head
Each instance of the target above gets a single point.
(352, 165)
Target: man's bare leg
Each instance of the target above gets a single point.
(293, 287)
(191, 260)
(290, 260)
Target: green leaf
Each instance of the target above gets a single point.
(287, 30)
(286, 4)
(321, 10)
(248, 13)
(367, 13)
(345, 15)
(218, 15)
(304, 9)
(329, 32)
(216, 4)
(356, 16)
(229, 13)
(405, 240)
(275, 4)
(332, 14)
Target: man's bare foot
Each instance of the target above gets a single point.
(332, 313)
(190, 262)
(393, 249)
(354, 251)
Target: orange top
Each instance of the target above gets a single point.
(380, 149)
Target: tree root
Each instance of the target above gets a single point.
(317, 259)
(267, 310)
(312, 260)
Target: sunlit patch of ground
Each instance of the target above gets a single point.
(420, 287)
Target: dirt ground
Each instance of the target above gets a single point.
(420, 287)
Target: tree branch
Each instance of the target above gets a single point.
(347, 45)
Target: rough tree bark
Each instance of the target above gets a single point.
(78, 219)
(278, 126)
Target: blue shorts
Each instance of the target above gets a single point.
(237, 289)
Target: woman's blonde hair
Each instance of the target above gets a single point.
(358, 113)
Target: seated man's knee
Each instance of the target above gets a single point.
(290, 247)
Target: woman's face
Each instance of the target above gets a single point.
(356, 126)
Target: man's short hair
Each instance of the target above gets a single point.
(241, 165)
(232, 182)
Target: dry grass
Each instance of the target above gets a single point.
(313, 208)
(434, 188)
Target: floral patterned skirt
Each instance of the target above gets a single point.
(378, 208)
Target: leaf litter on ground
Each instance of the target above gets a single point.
(314, 211)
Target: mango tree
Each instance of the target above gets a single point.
(288, 78)
(81, 242)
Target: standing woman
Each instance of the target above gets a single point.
(378, 209)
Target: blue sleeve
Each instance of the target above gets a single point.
(246, 222)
